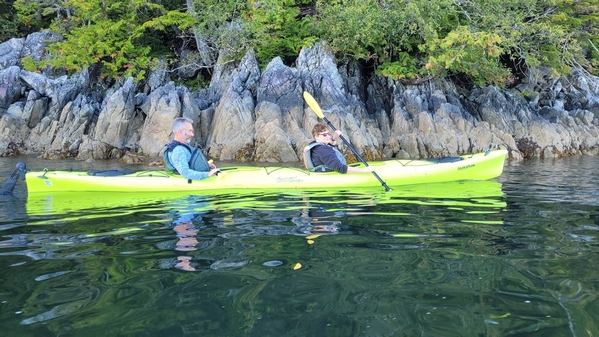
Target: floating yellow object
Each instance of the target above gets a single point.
(297, 266)
(310, 242)
(313, 236)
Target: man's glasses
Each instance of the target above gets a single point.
(326, 134)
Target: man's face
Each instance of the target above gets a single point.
(187, 133)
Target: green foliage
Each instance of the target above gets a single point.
(197, 83)
(37, 15)
(275, 29)
(382, 30)
(172, 18)
(405, 67)
(465, 36)
(405, 39)
(463, 51)
(9, 25)
(219, 27)
(581, 18)
(112, 44)
(28, 63)
(356, 29)
(528, 94)
(111, 33)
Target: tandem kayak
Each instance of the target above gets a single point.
(396, 172)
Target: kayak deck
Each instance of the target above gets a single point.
(397, 172)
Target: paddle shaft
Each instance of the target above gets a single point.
(18, 173)
(387, 188)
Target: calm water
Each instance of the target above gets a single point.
(516, 256)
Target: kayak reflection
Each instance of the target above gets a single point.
(211, 232)
(69, 205)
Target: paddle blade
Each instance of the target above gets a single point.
(313, 104)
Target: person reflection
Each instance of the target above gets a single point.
(315, 222)
(187, 220)
(186, 241)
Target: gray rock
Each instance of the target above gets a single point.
(36, 43)
(248, 116)
(10, 87)
(72, 124)
(13, 134)
(35, 108)
(161, 107)
(113, 126)
(272, 143)
(10, 53)
(232, 134)
(157, 77)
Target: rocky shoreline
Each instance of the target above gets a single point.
(251, 115)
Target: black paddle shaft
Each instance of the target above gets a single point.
(387, 188)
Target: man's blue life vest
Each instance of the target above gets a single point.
(320, 168)
(197, 162)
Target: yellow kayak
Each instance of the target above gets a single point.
(396, 172)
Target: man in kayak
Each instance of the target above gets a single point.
(183, 159)
(322, 156)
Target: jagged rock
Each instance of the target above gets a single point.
(191, 110)
(35, 108)
(91, 149)
(35, 44)
(73, 122)
(321, 78)
(157, 77)
(113, 126)
(10, 53)
(271, 143)
(225, 73)
(248, 116)
(279, 115)
(13, 50)
(10, 87)
(161, 107)
(132, 158)
(62, 136)
(59, 91)
(13, 133)
(232, 136)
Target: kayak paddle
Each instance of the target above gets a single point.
(316, 108)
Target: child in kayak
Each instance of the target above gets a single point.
(322, 156)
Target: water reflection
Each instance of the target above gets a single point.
(434, 260)
(201, 223)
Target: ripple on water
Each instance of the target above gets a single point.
(272, 263)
